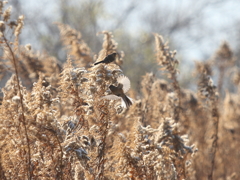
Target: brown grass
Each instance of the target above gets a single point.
(55, 125)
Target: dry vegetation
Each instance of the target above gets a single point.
(55, 125)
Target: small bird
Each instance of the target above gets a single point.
(108, 59)
(120, 90)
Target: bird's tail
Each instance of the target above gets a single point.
(97, 63)
(126, 101)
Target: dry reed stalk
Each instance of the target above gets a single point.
(23, 121)
(166, 59)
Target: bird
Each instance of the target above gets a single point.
(118, 92)
(108, 59)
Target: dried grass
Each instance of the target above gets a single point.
(54, 124)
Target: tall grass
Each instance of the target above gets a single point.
(54, 123)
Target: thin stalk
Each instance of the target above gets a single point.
(215, 116)
(220, 79)
(177, 110)
(21, 102)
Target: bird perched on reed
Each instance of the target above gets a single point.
(108, 59)
(118, 92)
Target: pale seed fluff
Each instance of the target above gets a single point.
(16, 99)
(28, 47)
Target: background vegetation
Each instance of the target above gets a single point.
(55, 125)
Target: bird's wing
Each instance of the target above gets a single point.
(125, 82)
(111, 97)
